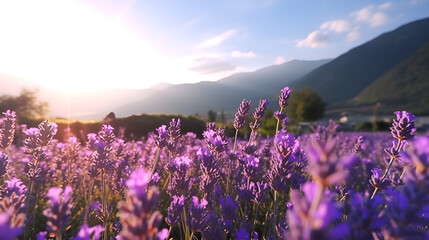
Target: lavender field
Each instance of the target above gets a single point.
(326, 184)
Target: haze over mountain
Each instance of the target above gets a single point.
(224, 94)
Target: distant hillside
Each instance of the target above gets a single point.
(406, 86)
(346, 76)
(225, 94)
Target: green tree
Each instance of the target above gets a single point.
(305, 105)
(26, 105)
(212, 116)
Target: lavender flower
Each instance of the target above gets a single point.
(251, 165)
(279, 115)
(59, 209)
(11, 227)
(210, 171)
(259, 111)
(215, 140)
(161, 140)
(377, 181)
(31, 141)
(47, 131)
(418, 154)
(325, 167)
(229, 212)
(284, 96)
(307, 222)
(366, 216)
(403, 126)
(136, 213)
(88, 233)
(7, 129)
(197, 215)
(106, 134)
(178, 168)
(175, 210)
(3, 163)
(285, 144)
(174, 129)
(260, 192)
(241, 114)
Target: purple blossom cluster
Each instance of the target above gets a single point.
(325, 184)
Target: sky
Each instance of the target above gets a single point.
(92, 44)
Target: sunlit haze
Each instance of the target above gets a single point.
(71, 46)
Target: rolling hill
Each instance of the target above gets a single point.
(405, 86)
(345, 77)
(225, 94)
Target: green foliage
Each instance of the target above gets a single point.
(26, 105)
(305, 105)
(268, 124)
(211, 116)
(135, 126)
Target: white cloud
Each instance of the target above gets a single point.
(339, 25)
(364, 14)
(379, 18)
(280, 60)
(211, 65)
(313, 40)
(371, 17)
(217, 40)
(385, 5)
(239, 54)
(354, 34)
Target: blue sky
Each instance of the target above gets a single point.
(136, 44)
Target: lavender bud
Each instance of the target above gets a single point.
(377, 180)
(87, 232)
(175, 210)
(284, 96)
(259, 111)
(59, 209)
(3, 163)
(403, 126)
(136, 213)
(197, 214)
(7, 130)
(47, 131)
(241, 114)
(279, 115)
(174, 129)
(161, 139)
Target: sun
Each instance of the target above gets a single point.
(68, 46)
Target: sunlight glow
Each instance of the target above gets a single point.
(69, 47)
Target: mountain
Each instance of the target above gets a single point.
(405, 86)
(226, 93)
(346, 76)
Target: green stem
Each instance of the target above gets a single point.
(104, 204)
(169, 232)
(156, 162)
(88, 198)
(278, 123)
(392, 159)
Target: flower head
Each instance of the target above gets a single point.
(259, 111)
(403, 126)
(241, 114)
(284, 96)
